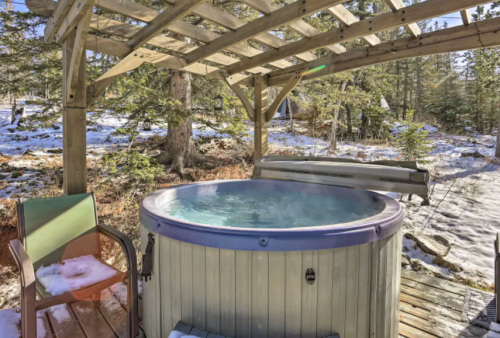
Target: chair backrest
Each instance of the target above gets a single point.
(57, 228)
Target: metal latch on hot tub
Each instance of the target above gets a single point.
(147, 259)
(310, 276)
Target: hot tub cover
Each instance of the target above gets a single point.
(367, 230)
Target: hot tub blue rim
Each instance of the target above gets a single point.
(360, 232)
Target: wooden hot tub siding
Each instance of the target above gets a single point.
(264, 294)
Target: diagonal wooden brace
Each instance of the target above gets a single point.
(289, 86)
(130, 62)
(243, 98)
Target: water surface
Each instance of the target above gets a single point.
(272, 209)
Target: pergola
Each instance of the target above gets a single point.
(237, 63)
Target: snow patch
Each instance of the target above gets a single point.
(9, 320)
(73, 274)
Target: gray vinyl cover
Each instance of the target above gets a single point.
(393, 176)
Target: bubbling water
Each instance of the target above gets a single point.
(272, 209)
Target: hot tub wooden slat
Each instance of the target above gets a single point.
(167, 324)
(397, 285)
(325, 284)
(364, 290)
(260, 294)
(175, 280)
(243, 293)
(228, 294)
(309, 295)
(351, 308)
(293, 293)
(186, 282)
(339, 289)
(199, 295)
(381, 313)
(213, 290)
(375, 255)
(276, 294)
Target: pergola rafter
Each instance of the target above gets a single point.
(239, 64)
(411, 14)
(282, 16)
(343, 15)
(300, 26)
(395, 6)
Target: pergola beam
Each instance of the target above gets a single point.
(282, 16)
(73, 17)
(411, 14)
(343, 15)
(78, 48)
(482, 34)
(163, 21)
(412, 28)
(300, 26)
(74, 123)
(260, 135)
(466, 17)
(56, 19)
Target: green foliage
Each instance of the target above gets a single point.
(411, 140)
(132, 166)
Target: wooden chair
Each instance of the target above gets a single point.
(55, 229)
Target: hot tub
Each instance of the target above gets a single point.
(272, 277)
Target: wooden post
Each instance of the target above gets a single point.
(260, 124)
(74, 125)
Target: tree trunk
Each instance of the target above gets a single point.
(418, 99)
(398, 89)
(179, 150)
(348, 115)
(333, 134)
(405, 99)
(497, 151)
(364, 126)
(290, 112)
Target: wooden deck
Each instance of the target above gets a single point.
(430, 307)
(433, 307)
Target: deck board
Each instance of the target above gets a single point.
(432, 307)
(92, 321)
(63, 322)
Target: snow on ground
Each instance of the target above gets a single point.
(465, 195)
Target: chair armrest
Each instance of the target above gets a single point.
(132, 293)
(497, 245)
(28, 289)
(125, 243)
